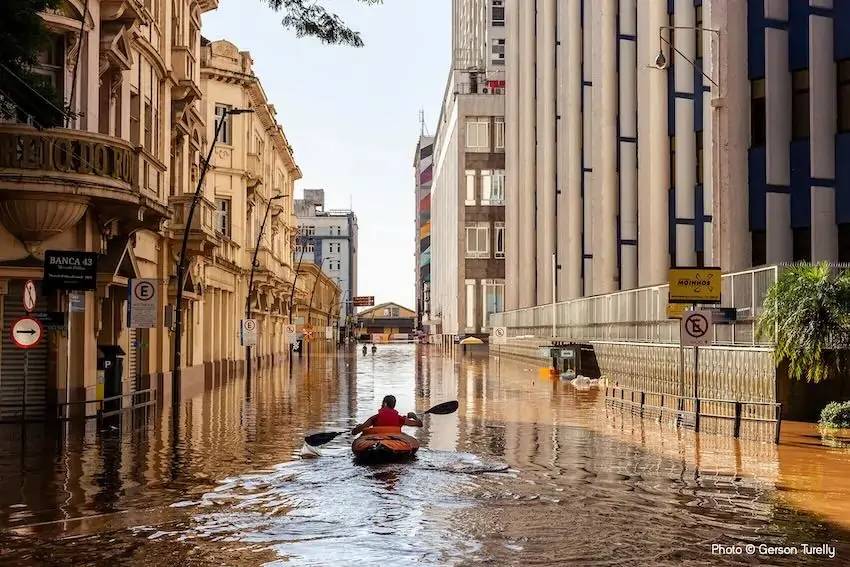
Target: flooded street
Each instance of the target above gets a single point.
(527, 472)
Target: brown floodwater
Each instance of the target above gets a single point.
(529, 471)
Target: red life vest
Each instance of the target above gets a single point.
(387, 417)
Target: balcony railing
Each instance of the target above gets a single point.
(254, 167)
(227, 251)
(202, 220)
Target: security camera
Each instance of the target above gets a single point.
(661, 61)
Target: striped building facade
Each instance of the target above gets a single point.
(648, 133)
(423, 165)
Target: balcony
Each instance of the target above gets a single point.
(203, 238)
(49, 179)
(187, 89)
(254, 170)
(227, 253)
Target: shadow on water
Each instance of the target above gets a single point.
(224, 486)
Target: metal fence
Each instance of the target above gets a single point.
(640, 315)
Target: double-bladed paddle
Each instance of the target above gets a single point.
(318, 439)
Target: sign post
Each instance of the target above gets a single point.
(26, 333)
(248, 332)
(696, 329)
(142, 305)
(500, 337)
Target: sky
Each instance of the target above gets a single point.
(352, 115)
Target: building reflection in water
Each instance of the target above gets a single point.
(48, 474)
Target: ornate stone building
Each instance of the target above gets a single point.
(118, 181)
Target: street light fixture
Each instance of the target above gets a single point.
(661, 60)
(181, 263)
(253, 273)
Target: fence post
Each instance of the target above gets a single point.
(737, 426)
(697, 410)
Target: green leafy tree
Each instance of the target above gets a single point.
(22, 36)
(308, 18)
(807, 313)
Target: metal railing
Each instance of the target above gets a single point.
(640, 315)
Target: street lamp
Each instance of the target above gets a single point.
(251, 278)
(181, 263)
(661, 59)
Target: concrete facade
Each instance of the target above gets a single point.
(128, 164)
(328, 238)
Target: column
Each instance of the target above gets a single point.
(605, 191)
(546, 21)
(654, 156)
(587, 61)
(732, 249)
(512, 190)
(822, 113)
(777, 92)
(528, 241)
(628, 145)
(685, 155)
(569, 150)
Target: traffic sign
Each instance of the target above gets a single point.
(248, 332)
(26, 332)
(29, 296)
(697, 329)
(694, 285)
(329, 332)
(500, 335)
(364, 301)
(142, 305)
(291, 332)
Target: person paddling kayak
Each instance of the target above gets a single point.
(387, 416)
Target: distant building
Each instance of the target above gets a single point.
(423, 165)
(386, 322)
(329, 239)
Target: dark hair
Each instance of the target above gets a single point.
(389, 401)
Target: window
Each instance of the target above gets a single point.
(758, 115)
(700, 158)
(800, 126)
(758, 239)
(499, 240)
(497, 53)
(222, 217)
(310, 247)
(498, 12)
(51, 63)
(470, 305)
(148, 126)
(478, 133)
(221, 114)
(135, 118)
(477, 240)
(843, 98)
(492, 299)
(493, 187)
(500, 133)
(339, 231)
(470, 187)
(308, 230)
(802, 244)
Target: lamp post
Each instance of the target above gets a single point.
(292, 292)
(251, 277)
(181, 263)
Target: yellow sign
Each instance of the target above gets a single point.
(694, 285)
(676, 310)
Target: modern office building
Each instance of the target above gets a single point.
(423, 166)
(647, 134)
(329, 239)
(468, 188)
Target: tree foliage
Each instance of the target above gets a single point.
(22, 37)
(308, 18)
(807, 313)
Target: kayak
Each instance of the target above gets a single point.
(384, 445)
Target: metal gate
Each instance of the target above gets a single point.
(12, 360)
(132, 373)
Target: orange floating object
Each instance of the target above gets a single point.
(384, 445)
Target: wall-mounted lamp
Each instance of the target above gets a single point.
(661, 59)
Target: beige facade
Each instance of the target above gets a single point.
(316, 301)
(118, 181)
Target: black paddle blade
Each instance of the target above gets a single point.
(444, 408)
(321, 438)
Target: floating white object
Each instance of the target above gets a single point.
(308, 452)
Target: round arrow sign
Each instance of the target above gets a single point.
(26, 332)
